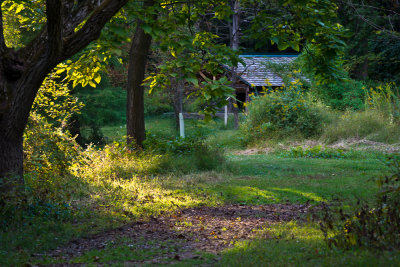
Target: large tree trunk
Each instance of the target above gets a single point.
(135, 125)
(19, 90)
(11, 157)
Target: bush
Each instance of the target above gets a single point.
(49, 153)
(281, 113)
(116, 161)
(185, 154)
(346, 95)
(375, 225)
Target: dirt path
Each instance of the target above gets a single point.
(205, 229)
(345, 144)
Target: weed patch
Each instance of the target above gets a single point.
(373, 225)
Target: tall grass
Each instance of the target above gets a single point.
(370, 124)
(379, 121)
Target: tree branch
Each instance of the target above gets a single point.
(75, 14)
(92, 28)
(54, 28)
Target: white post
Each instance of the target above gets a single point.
(226, 116)
(181, 125)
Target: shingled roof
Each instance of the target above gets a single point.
(255, 72)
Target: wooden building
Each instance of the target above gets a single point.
(255, 74)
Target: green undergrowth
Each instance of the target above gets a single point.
(374, 225)
(296, 113)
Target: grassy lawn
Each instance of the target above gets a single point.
(249, 180)
(270, 179)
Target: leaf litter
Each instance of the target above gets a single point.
(191, 230)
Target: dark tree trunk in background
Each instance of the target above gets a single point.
(176, 98)
(361, 72)
(135, 125)
(235, 46)
(22, 72)
(74, 128)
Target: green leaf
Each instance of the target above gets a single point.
(193, 80)
(296, 47)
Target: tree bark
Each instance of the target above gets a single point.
(135, 125)
(11, 155)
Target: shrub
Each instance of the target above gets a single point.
(283, 112)
(185, 154)
(375, 225)
(49, 153)
(345, 95)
